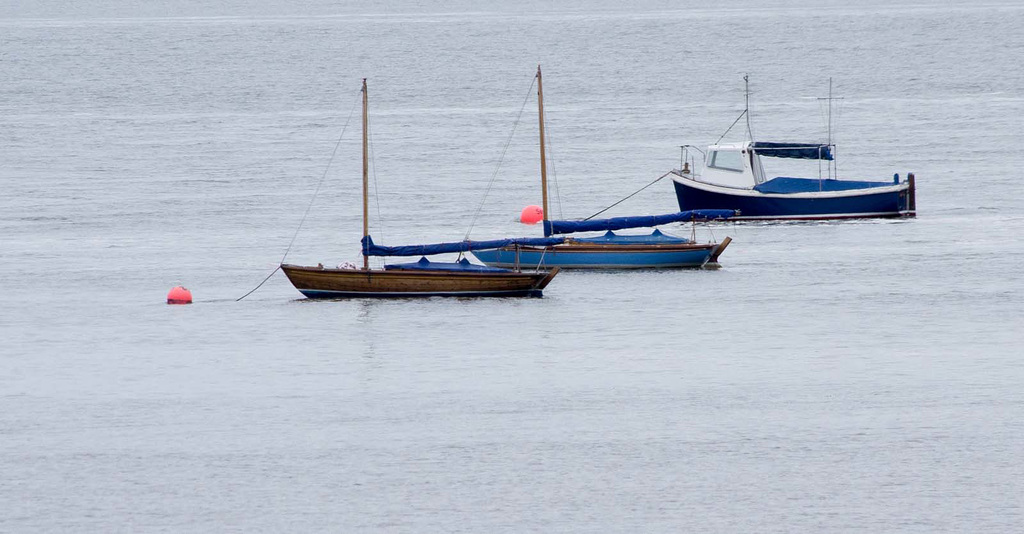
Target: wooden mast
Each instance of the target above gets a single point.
(543, 160)
(366, 181)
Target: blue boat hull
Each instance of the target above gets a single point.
(861, 203)
(566, 258)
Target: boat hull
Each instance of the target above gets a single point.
(316, 282)
(572, 256)
(890, 201)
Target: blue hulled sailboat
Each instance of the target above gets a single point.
(611, 250)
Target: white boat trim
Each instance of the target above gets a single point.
(820, 217)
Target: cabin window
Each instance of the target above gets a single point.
(730, 161)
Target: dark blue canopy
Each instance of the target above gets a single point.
(370, 249)
(618, 223)
(462, 265)
(793, 150)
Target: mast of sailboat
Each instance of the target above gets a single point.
(543, 159)
(366, 181)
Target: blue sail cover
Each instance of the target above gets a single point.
(793, 150)
(461, 266)
(654, 238)
(618, 223)
(370, 249)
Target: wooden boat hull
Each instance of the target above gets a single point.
(892, 201)
(598, 256)
(316, 282)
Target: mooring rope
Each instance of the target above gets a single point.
(628, 197)
(508, 142)
(311, 201)
(253, 290)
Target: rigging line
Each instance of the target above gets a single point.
(554, 172)
(628, 197)
(490, 184)
(376, 188)
(730, 127)
(311, 201)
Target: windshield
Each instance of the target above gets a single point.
(728, 160)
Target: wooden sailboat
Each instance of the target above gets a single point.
(611, 250)
(420, 279)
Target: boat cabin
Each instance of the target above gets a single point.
(732, 165)
(738, 165)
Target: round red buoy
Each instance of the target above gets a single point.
(531, 215)
(179, 295)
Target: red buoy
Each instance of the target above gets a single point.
(179, 295)
(531, 215)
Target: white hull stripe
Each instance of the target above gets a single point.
(688, 182)
(866, 215)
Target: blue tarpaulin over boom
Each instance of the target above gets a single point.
(618, 223)
(793, 150)
(370, 249)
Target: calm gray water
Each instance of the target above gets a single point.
(862, 376)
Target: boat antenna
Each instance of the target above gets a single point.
(830, 110)
(366, 180)
(543, 161)
(830, 118)
(746, 104)
(833, 166)
(745, 113)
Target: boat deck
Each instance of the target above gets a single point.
(785, 184)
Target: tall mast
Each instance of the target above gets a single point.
(543, 159)
(366, 181)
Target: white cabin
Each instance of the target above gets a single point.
(732, 165)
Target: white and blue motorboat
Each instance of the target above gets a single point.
(734, 178)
